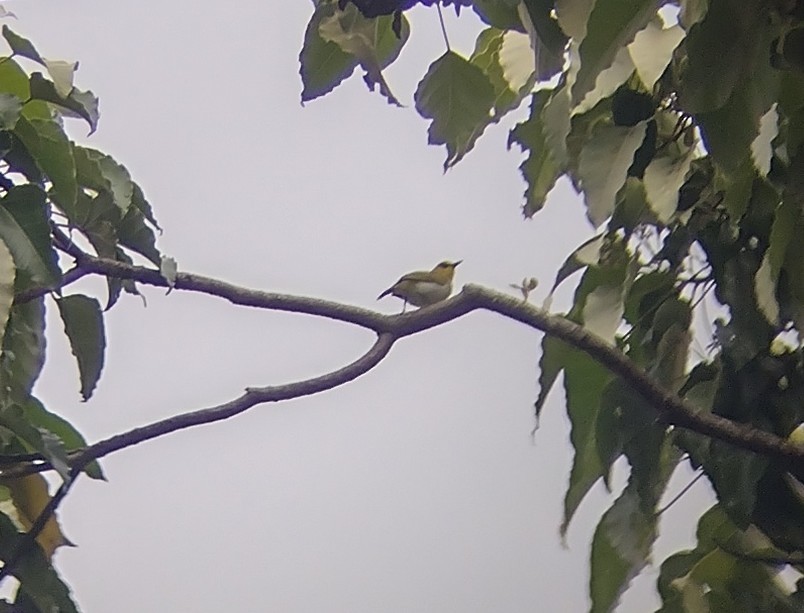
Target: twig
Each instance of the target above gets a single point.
(683, 491)
(443, 27)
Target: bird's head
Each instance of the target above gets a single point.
(444, 271)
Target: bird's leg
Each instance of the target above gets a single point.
(404, 305)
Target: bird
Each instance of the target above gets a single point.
(424, 287)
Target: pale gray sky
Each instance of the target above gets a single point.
(416, 488)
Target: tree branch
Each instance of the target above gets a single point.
(671, 408)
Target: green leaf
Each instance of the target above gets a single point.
(539, 169)
(765, 290)
(52, 150)
(23, 348)
(652, 50)
(501, 15)
(733, 38)
(372, 42)
(21, 46)
(37, 440)
(8, 273)
(39, 582)
(499, 55)
(14, 80)
(10, 109)
(663, 178)
(24, 226)
(586, 254)
(612, 25)
(136, 235)
(100, 172)
(323, 64)
(83, 323)
(62, 73)
(38, 416)
(83, 104)
(573, 15)
(607, 82)
(784, 223)
(603, 166)
(584, 382)
(620, 549)
(458, 97)
(554, 357)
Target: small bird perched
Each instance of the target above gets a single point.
(422, 287)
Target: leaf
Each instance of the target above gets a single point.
(458, 97)
(50, 147)
(765, 289)
(372, 42)
(620, 549)
(323, 65)
(24, 227)
(554, 357)
(39, 582)
(23, 348)
(30, 497)
(10, 109)
(21, 46)
(762, 145)
(83, 104)
(62, 73)
(663, 178)
(47, 444)
(652, 49)
(584, 382)
(83, 324)
(607, 82)
(8, 273)
(13, 79)
(784, 223)
(572, 16)
(134, 234)
(603, 166)
(510, 76)
(39, 417)
(586, 254)
(547, 43)
(733, 37)
(168, 268)
(540, 169)
(101, 172)
(612, 25)
(501, 15)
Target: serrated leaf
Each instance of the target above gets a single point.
(23, 348)
(100, 172)
(586, 254)
(83, 324)
(24, 228)
(784, 223)
(372, 42)
(557, 124)
(458, 97)
(551, 363)
(13, 79)
(652, 49)
(21, 46)
(573, 15)
(611, 26)
(540, 169)
(42, 441)
(501, 15)
(603, 311)
(323, 65)
(547, 41)
(620, 549)
(81, 104)
(664, 176)
(584, 382)
(607, 81)
(41, 588)
(50, 147)
(137, 236)
(603, 166)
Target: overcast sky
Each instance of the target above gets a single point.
(417, 488)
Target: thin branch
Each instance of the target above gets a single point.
(443, 26)
(775, 560)
(671, 409)
(71, 276)
(680, 495)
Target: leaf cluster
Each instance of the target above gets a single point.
(681, 125)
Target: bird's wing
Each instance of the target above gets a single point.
(419, 275)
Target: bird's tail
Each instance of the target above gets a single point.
(385, 293)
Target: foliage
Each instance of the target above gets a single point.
(681, 124)
(52, 191)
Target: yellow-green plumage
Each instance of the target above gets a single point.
(424, 287)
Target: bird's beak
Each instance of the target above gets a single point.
(454, 264)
